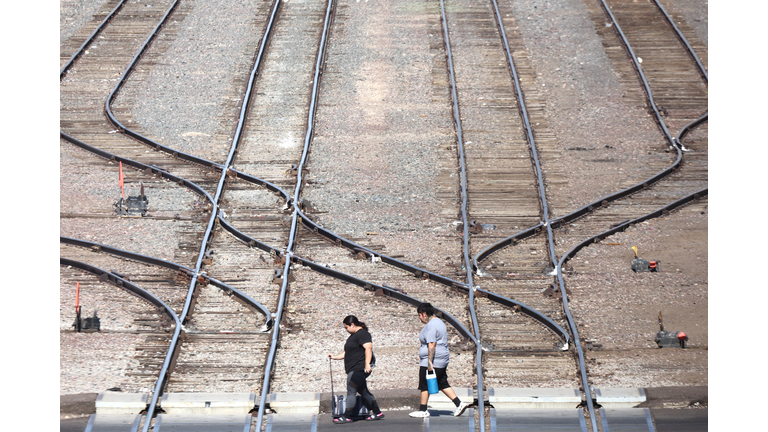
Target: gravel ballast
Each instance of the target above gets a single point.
(383, 172)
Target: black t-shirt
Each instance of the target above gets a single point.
(354, 352)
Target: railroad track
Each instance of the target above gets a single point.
(262, 240)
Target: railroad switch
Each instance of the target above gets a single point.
(669, 339)
(665, 339)
(133, 206)
(641, 265)
(89, 324)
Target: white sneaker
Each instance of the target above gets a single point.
(460, 409)
(419, 414)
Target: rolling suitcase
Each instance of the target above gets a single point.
(340, 405)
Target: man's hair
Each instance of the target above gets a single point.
(426, 308)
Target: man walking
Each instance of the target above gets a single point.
(434, 355)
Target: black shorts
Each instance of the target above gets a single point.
(442, 378)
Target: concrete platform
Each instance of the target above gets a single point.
(291, 423)
(121, 403)
(203, 423)
(398, 421)
(619, 397)
(113, 423)
(523, 398)
(208, 403)
(295, 403)
(626, 420)
(680, 420)
(538, 420)
(444, 421)
(441, 402)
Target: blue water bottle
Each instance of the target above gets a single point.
(432, 382)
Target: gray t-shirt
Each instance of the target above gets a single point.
(434, 331)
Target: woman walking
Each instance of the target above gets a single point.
(358, 359)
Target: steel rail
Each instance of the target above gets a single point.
(169, 357)
(255, 180)
(89, 40)
(248, 240)
(219, 189)
(387, 291)
(157, 146)
(465, 222)
(232, 173)
(687, 128)
(247, 177)
(545, 211)
(124, 77)
(352, 246)
(294, 218)
(593, 206)
(643, 80)
(663, 211)
(419, 272)
(145, 259)
(533, 313)
(153, 169)
(147, 169)
(214, 202)
(673, 144)
(682, 38)
(123, 283)
(251, 242)
(369, 286)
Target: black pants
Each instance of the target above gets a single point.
(356, 384)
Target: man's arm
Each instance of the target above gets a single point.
(431, 353)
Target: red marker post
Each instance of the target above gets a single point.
(121, 179)
(77, 308)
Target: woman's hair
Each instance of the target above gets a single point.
(351, 319)
(427, 308)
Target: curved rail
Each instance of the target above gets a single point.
(219, 190)
(97, 247)
(687, 128)
(142, 293)
(162, 380)
(682, 38)
(545, 211)
(352, 246)
(391, 292)
(149, 170)
(620, 228)
(89, 40)
(464, 219)
(369, 286)
(591, 207)
(643, 80)
(294, 218)
(125, 284)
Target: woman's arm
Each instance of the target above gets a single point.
(339, 356)
(368, 356)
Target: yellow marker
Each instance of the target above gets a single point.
(634, 248)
